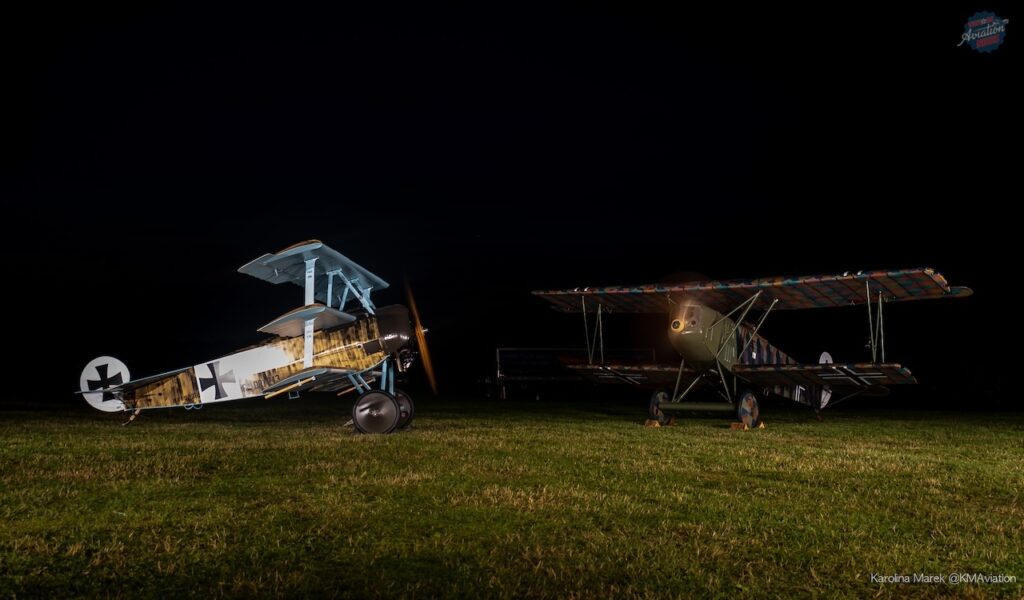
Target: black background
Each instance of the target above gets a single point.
(488, 149)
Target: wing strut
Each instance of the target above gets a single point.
(307, 330)
(876, 329)
(756, 329)
(363, 296)
(745, 306)
(598, 341)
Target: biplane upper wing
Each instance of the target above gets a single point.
(816, 291)
(333, 271)
(848, 375)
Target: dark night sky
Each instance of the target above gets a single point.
(489, 149)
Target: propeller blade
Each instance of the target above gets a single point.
(421, 339)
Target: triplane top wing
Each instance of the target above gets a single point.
(791, 293)
(336, 277)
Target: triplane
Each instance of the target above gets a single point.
(320, 346)
(712, 327)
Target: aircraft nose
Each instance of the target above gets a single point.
(682, 326)
(686, 320)
(395, 327)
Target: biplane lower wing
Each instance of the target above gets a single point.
(845, 375)
(646, 375)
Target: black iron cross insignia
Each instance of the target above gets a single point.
(216, 381)
(104, 382)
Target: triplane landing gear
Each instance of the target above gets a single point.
(376, 411)
(406, 409)
(385, 408)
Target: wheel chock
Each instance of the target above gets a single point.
(744, 427)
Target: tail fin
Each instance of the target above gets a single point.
(103, 373)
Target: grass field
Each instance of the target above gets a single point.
(506, 500)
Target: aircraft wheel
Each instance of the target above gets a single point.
(376, 412)
(406, 408)
(654, 411)
(747, 410)
(818, 397)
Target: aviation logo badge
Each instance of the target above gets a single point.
(984, 32)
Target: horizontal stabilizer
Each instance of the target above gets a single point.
(855, 375)
(118, 390)
(291, 323)
(104, 388)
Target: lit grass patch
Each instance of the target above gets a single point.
(280, 499)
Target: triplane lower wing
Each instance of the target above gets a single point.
(337, 341)
(715, 327)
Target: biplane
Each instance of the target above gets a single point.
(715, 328)
(321, 346)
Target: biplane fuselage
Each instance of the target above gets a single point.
(700, 334)
(704, 338)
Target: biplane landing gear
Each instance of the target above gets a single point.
(406, 409)
(747, 410)
(818, 397)
(376, 412)
(654, 412)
